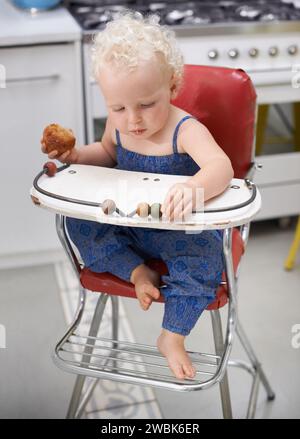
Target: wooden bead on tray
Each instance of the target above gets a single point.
(108, 207)
(50, 168)
(143, 210)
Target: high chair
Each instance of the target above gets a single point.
(224, 100)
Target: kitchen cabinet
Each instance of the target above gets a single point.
(43, 85)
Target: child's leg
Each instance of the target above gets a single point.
(195, 264)
(104, 247)
(180, 316)
(145, 280)
(109, 248)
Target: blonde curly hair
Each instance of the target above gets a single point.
(131, 38)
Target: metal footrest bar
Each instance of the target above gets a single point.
(132, 363)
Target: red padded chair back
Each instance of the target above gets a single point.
(224, 100)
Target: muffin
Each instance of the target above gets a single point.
(55, 137)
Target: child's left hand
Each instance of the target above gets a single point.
(179, 202)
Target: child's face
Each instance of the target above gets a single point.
(138, 101)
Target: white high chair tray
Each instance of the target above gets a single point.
(128, 188)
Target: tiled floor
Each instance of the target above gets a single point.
(269, 306)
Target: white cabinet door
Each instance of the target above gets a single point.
(43, 85)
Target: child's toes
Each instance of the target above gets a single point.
(178, 371)
(189, 371)
(145, 302)
(144, 306)
(153, 292)
(156, 294)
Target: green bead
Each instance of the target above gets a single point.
(156, 210)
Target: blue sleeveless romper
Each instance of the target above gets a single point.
(195, 261)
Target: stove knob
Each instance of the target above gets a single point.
(233, 53)
(293, 49)
(273, 51)
(253, 52)
(213, 54)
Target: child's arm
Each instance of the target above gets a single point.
(213, 177)
(99, 153)
(215, 166)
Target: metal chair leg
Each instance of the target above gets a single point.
(115, 326)
(219, 347)
(88, 350)
(254, 360)
(115, 317)
(115, 321)
(74, 402)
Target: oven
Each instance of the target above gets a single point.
(260, 36)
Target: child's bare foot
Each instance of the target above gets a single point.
(171, 345)
(146, 282)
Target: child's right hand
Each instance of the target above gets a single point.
(69, 157)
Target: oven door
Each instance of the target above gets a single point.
(278, 141)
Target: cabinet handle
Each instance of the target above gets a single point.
(53, 77)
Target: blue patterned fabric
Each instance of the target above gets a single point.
(171, 164)
(195, 261)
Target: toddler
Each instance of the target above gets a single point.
(139, 69)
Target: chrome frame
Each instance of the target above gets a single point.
(91, 343)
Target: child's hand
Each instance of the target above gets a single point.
(179, 202)
(69, 157)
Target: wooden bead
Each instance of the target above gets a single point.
(50, 168)
(108, 207)
(35, 200)
(156, 210)
(143, 210)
